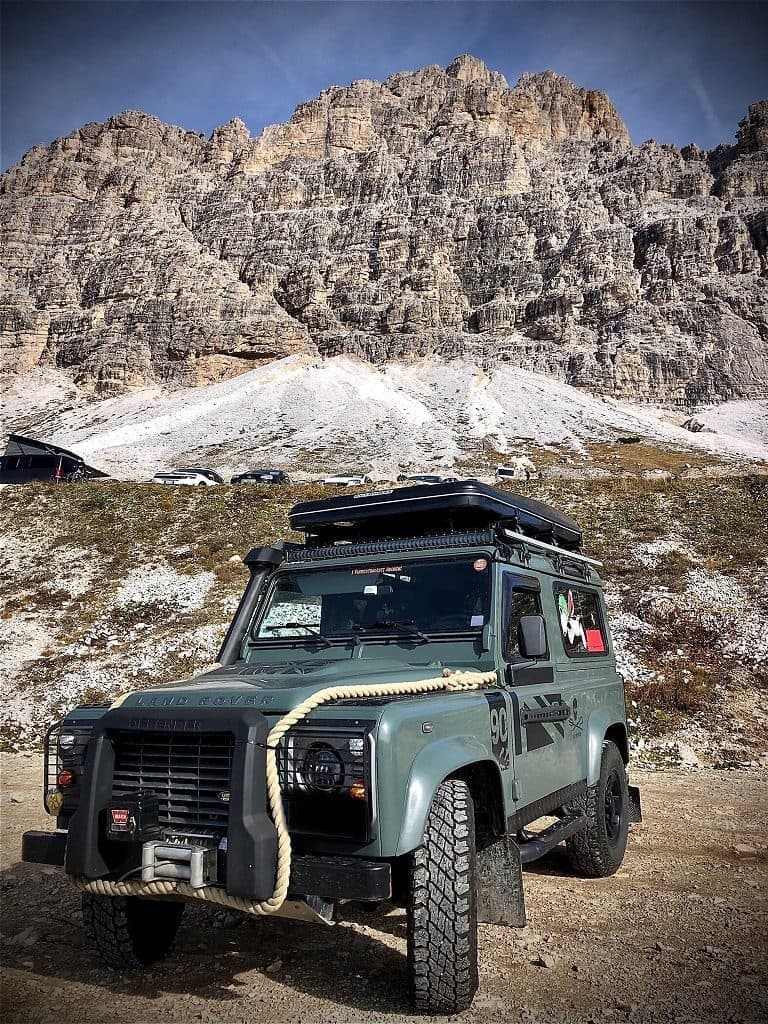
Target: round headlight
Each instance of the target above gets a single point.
(67, 741)
(322, 768)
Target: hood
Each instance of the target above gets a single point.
(279, 688)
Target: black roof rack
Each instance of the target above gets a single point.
(429, 509)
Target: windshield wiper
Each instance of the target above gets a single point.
(311, 631)
(407, 628)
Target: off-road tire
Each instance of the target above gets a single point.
(442, 906)
(127, 932)
(598, 850)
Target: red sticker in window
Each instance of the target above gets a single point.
(595, 642)
(480, 564)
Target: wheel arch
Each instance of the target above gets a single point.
(604, 726)
(617, 733)
(460, 757)
(483, 779)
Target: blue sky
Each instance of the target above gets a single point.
(678, 72)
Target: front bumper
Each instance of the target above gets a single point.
(251, 835)
(333, 878)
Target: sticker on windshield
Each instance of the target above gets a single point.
(376, 570)
(477, 620)
(480, 564)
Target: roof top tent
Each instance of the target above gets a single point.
(27, 459)
(432, 509)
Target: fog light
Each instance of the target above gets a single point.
(66, 778)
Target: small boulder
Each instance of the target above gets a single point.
(544, 960)
(744, 850)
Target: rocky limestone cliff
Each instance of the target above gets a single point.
(439, 212)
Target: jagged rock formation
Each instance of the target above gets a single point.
(438, 212)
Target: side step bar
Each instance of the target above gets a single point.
(536, 846)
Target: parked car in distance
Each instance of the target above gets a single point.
(188, 477)
(425, 478)
(261, 476)
(347, 480)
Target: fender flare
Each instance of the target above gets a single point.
(600, 721)
(431, 766)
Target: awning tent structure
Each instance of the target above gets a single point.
(28, 459)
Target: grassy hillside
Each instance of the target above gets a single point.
(106, 587)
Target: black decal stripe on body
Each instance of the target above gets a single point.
(499, 727)
(532, 676)
(516, 722)
(537, 736)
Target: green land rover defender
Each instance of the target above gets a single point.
(397, 701)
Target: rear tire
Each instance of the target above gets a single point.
(442, 906)
(128, 932)
(598, 850)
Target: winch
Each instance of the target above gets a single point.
(184, 856)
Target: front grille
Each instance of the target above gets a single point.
(190, 774)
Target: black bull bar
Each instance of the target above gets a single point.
(251, 835)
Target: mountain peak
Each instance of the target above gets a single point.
(441, 212)
(467, 69)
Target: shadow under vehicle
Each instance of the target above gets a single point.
(398, 701)
(27, 460)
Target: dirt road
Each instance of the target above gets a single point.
(680, 933)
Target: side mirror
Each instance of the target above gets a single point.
(531, 636)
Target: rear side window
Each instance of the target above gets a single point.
(519, 602)
(581, 622)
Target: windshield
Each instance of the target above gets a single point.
(432, 596)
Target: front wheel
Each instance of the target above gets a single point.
(442, 907)
(129, 932)
(598, 850)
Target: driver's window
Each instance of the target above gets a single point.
(521, 602)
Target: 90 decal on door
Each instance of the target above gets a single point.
(499, 723)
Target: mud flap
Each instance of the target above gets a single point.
(635, 809)
(500, 896)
